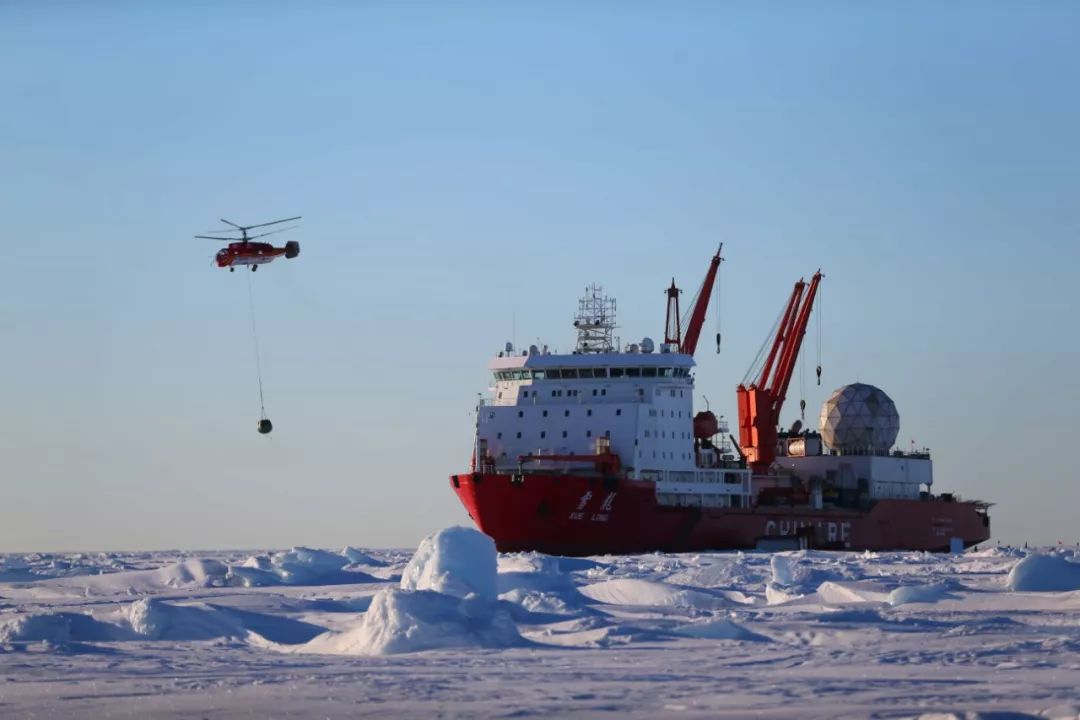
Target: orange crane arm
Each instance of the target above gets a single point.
(792, 344)
(697, 318)
(781, 334)
(760, 404)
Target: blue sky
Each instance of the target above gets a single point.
(465, 168)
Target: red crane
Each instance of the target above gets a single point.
(760, 403)
(687, 342)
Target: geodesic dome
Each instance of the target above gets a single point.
(859, 418)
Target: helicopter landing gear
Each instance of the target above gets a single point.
(232, 269)
(254, 268)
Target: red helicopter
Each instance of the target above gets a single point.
(241, 251)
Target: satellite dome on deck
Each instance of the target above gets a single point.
(859, 418)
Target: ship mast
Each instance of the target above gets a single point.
(595, 322)
(672, 325)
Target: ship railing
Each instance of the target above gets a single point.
(918, 454)
(730, 479)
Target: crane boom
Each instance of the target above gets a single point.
(793, 344)
(761, 402)
(781, 333)
(697, 317)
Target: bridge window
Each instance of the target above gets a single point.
(648, 372)
(618, 372)
(538, 375)
(633, 372)
(665, 372)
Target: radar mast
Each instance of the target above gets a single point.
(595, 322)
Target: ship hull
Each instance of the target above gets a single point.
(586, 515)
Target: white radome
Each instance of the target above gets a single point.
(859, 418)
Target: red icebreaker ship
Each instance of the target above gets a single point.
(599, 451)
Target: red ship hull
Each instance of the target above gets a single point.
(584, 515)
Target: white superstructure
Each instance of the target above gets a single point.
(560, 404)
(635, 402)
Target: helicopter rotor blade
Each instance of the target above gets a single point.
(230, 222)
(210, 237)
(272, 232)
(250, 227)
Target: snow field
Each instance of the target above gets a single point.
(455, 627)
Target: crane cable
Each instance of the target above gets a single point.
(759, 359)
(719, 284)
(820, 308)
(255, 339)
(802, 384)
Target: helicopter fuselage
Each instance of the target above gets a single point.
(248, 253)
